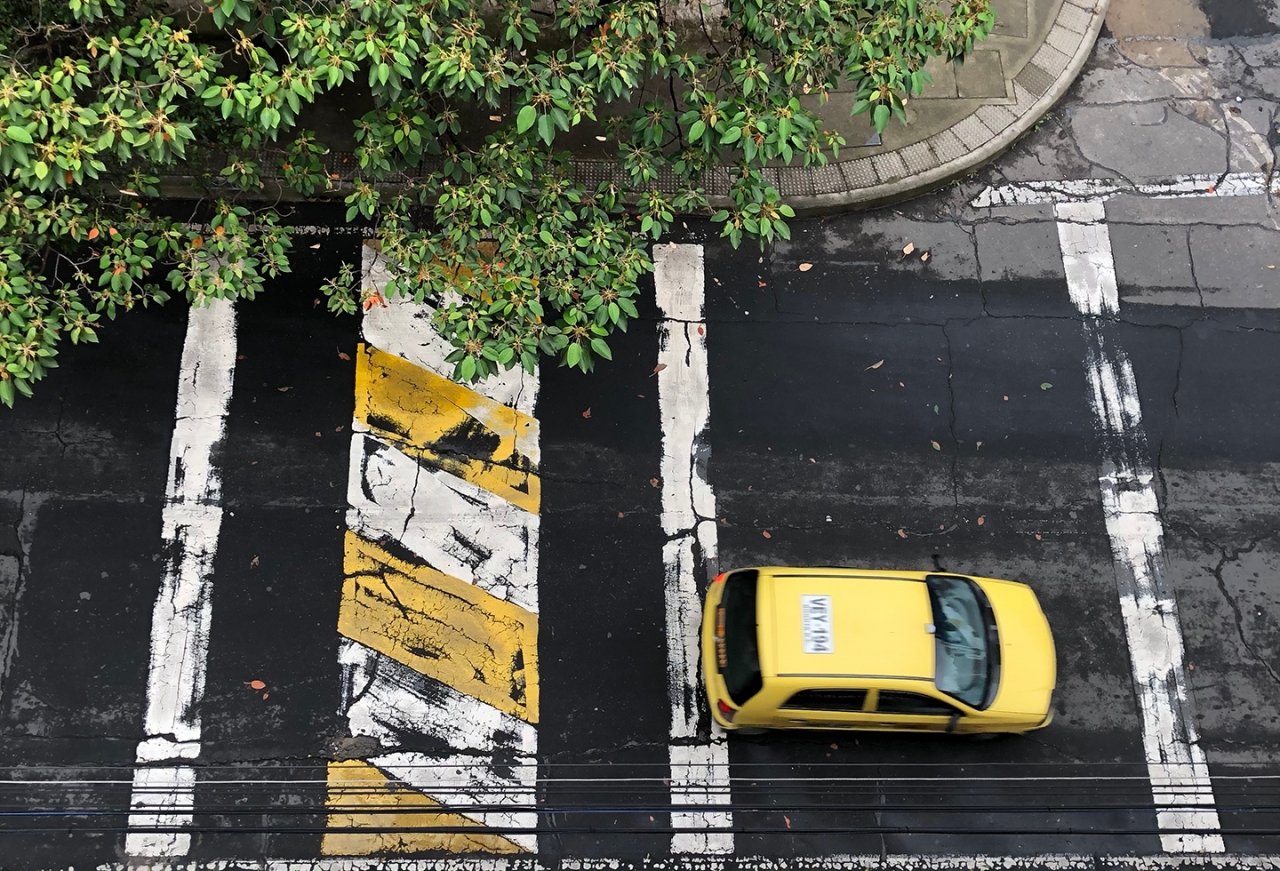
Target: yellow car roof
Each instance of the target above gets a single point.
(877, 621)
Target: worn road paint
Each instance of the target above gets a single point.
(1031, 193)
(865, 862)
(13, 578)
(466, 781)
(393, 703)
(451, 524)
(1179, 771)
(403, 327)
(362, 797)
(442, 627)
(699, 753)
(448, 426)
(180, 620)
(440, 603)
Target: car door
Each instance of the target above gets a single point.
(825, 708)
(910, 711)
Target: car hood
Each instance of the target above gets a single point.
(1028, 663)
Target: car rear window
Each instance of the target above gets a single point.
(741, 666)
(845, 701)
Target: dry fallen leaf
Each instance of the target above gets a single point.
(981, 520)
(264, 696)
(1037, 536)
(786, 819)
(641, 395)
(765, 533)
(317, 435)
(284, 389)
(763, 283)
(701, 331)
(902, 533)
(908, 248)
(621, 515)
(835, 746)
(653, 482)
(924, 258)
(254, 561)
(659, 368)
(805, 267)
(875, 365)
(257, 685)
(936, 446)
(587, 413)
(495, 117)
(343, 355)
(900, 384)
(339, 428)
(812, 460)
(1006, 398)
(979, 445)
(315, 247)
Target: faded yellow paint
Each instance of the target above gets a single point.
(442, 627)
(362, 797)
(449, 426)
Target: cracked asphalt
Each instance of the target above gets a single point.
(872, 410)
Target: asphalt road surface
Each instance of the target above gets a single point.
(869, 410)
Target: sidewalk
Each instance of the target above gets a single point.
(971, 114)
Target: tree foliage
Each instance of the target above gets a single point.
(101, 99)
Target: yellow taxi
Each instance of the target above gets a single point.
(830, 648)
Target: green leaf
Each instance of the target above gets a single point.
(573, 355)
(468, 368)
(18, 134)
(880, 117)
(734, 134)
(526, 118)
(42, 169)
(601, 348)
(695, 132)
(6, 392)
(1046, 386)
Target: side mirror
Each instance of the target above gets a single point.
(951, 724)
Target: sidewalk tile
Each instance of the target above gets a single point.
(1064, 40)
(827, 179)
(972, 132)
(1050, 60)
(947, 146)
(918, 157)
(1034, 79)
(889, 166)
(1073, 18)
(859, 173)
(1023, 100)
(997, 118)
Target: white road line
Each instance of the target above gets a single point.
(1031, 193)
(455, 526)
(1176, 763)
(699, 767)
(841, 862)
(192, 519)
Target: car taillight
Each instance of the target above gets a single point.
(725, 711)
(720, 577)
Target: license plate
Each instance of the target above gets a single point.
(815, 624)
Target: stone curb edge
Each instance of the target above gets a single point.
(998, 142)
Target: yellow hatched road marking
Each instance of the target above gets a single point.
(442, 627)
(450, 426)
(361, 796)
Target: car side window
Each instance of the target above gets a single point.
(844, 701)
(897, 702)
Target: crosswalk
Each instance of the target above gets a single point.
(508, 585)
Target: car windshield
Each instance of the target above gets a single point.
(960, 635)
(741, 664)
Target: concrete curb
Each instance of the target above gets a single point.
(844, 185)
(973, 126)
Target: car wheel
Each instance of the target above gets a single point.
(749, 730)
